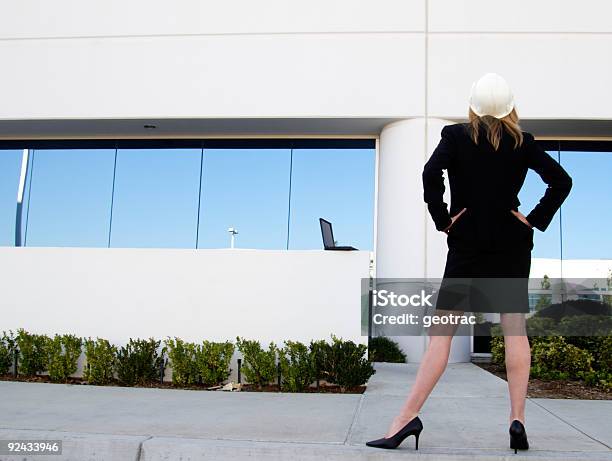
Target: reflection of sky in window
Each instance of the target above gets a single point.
(585, 216)
(156, 198)
(337, 185)
(587, 213)
(70, 197)
(247, 189)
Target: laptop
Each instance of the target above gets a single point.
(328, 237)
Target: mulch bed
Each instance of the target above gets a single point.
(324, 388)
(558, 389)
(79, 381)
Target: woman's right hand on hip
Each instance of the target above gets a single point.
(453, 219)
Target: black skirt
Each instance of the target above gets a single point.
(488, 263)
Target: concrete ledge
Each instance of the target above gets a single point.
(166, 449)
(87, 446)
(78, 446)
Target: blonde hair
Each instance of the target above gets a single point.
(494, 127)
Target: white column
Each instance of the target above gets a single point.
(407, 245)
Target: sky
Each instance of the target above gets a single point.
(585, 219)
(273, 197)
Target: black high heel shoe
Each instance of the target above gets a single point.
(518, 436)
(414, 427)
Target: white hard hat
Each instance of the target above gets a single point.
(491, 95)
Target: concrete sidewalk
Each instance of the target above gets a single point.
(465, 419)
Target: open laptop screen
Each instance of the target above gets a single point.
(327, 234)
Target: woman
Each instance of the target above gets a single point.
(489, 241)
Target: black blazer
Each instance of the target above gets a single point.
(483, 179)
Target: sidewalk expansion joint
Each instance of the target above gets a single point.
(571, 425)
(355, 416)
(139, 451)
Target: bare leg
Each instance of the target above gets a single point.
(518, 362)
(431, 368)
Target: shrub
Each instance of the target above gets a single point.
(381, 349)
(585, 325)
(603, 354)
(573, 307)
(63, 355)
(317, 356)
(7, 350)
(213, 361)
(32, 352)
(558, 357)
(297, 366)
(600, 348)
(541, 326)
(498, 355)
(593, 344)
(139, 361)
(259, 366)
(554, 358)
(496, 330)
(182, 357)
(599, 378)
(101, 361)
(345, 363)
(209, 361)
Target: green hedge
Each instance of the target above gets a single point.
(259, 365)
(554, 358)
(573, 357)
(213, 361)
(208, 363)
(101, 358)
(382, 349)
(345, 363)
(141, 361)
(182, 360)
(7, 351)
(33, 352)
(339, 362)
(297, 366)
(63, 356)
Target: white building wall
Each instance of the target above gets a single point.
(122, 293)
(154, 59)
(343, 58)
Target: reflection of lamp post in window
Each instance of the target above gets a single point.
(232, 232)
(22, 182)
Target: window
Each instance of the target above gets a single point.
(187, 193)
(337, 185)
(576, 243)
(69, 197)
(155, 201)
(248, 190)
(586, 214)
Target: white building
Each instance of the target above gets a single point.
(392, 71)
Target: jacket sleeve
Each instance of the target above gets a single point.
(558, 181)
(433, 180)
